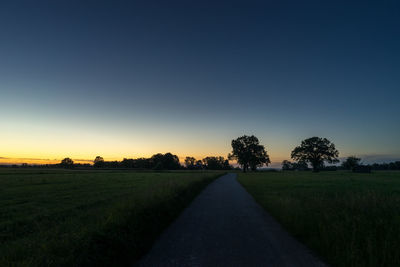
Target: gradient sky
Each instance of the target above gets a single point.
(133, 78)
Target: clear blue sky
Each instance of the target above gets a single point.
(132, 78)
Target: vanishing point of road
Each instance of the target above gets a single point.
(224, 226)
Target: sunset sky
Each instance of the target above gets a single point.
(134, 78)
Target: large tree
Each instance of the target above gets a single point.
(165, 161)
(248, 152)
(351, 162)
(316, 151)
(190, 162)
(216, 163)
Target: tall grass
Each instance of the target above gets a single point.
(74, 218)
(348, 219)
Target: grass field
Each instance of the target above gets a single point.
(88, 218)
(347, 219)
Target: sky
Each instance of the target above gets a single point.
(133, 78)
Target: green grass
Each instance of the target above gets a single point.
(88, 218)
(347, 219)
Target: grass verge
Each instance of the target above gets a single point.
(347, 219)
(73, 218)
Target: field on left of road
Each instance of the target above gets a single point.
(88, 218)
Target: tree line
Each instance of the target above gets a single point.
(159, 161)
(312, 153)
(351, 163)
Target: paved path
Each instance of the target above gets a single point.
(224, 226)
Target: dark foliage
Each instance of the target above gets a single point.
(216, 163)
(294, 166)
(165, 161)
(386, 166)
(362, 169)
(67, 163)
(190, 163)
(249, 153)
(158, 161)
(98, 162)
(351, 162)
(127, 163)
(329, 168)
(316, 151)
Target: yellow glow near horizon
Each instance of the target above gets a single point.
(33, 161)
(36, 142)
(36, 161)
(51, 150)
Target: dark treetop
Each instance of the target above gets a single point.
(316, 151)
(249, 153)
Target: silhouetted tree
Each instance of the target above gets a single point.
(199, 164)
(127, 163)
(167, 161)
(158, 166)
(351, 162)
(226, 165)
(287, 165)
(190, 162)
(300, 166)
(157, 160)
(316, 151)
(247, 151)
(394, 165)
(213, 163)
(216, 163)
(143, 163)
(171, 161)
(67, 163)
(386, 166)
(112, 164)
(98, 162)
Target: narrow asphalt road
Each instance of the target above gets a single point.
(224, 226)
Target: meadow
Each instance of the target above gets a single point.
(348, 219)
(88, 218)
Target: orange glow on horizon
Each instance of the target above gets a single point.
(38, 161)
(34, 161)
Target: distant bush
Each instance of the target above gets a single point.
(386, 166)
(98, 162)
(350, 163)
(362, 169)
(329, 168)
(67, 163)
(294, 166)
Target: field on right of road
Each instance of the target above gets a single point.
(348, 219)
